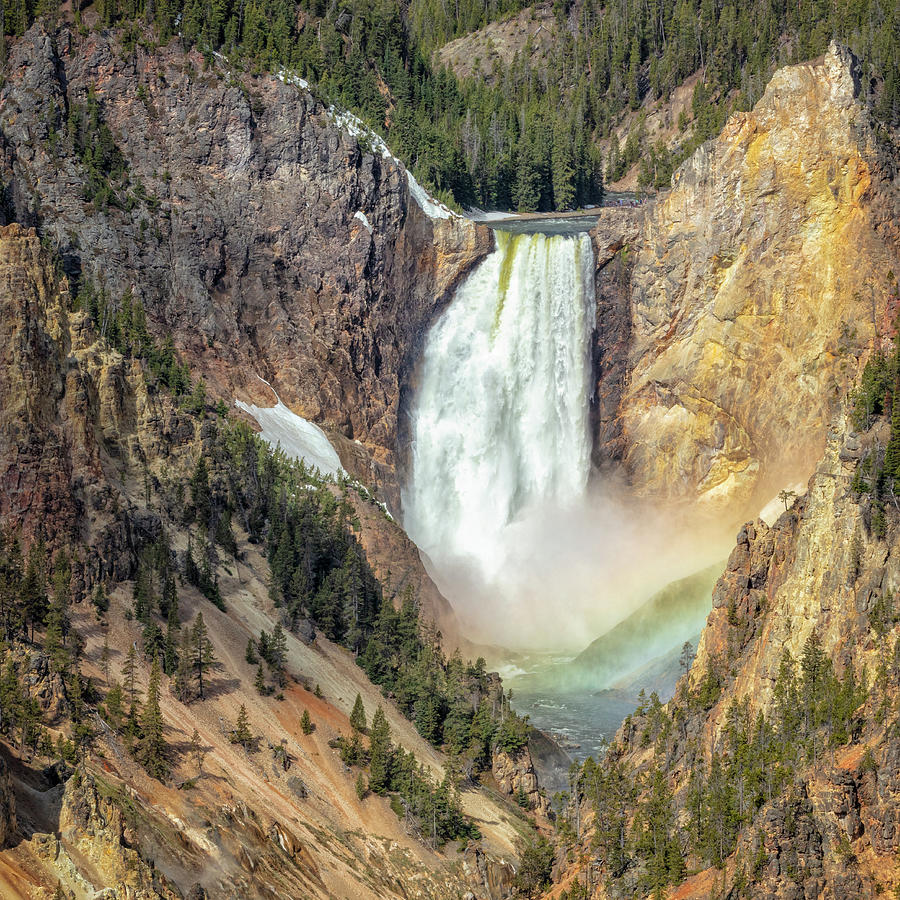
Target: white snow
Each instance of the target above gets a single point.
(479, 215)
(431, 207)
(297, 437)
(355, 126)
(359, 214)
(288, 77)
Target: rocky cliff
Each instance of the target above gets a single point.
(259, 232)
(732, 311)
(91, 449)
(516, 777)
(781, 740)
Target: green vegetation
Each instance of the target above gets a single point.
(758, 760)
(123, 324)
(241, 733)
(319, 572)
(535, 866)
(358, 716)
(430, 810)
(528, 136)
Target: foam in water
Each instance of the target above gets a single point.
(500, 423)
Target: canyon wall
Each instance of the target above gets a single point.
(260, 234)
(733, 310)
(90, 451)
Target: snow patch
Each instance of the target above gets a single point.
(355, 126)
(431, 207)
(297, 437)
(288, 77)
(479, 215)
(359, 214)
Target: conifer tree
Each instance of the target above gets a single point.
(9, 696)
(202, 655)
(57, 617)
(129, 673)
(100, 602)
(358, 715)
(306, 723)
(173, 633)
(152, 750)
(259, 682)
(184, 669)
(278, 652)
(381, 753)
(115, 706)
(241, 733)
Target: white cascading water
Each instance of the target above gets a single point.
(500, 420)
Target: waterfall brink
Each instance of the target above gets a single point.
(500, 422)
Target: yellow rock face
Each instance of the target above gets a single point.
(756, 286)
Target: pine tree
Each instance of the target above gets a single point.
(202, 655)
(57, 618)
(306, 723)
(142, 595)
(201, 497)
(278, 652)
(152, 750)
(100, 602)
(129, 674)
(260, 681)
(358, 715)
(115, 706)
(34, 586)
(185, 668)
(241, 733)
(9, 697)
(173, 633)
(381, 753)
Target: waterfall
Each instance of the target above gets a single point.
(499, 424)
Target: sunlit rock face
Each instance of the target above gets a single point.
(745, 296)
(276, 241)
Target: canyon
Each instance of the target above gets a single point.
(714, 337)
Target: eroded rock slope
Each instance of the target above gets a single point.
(732, 311)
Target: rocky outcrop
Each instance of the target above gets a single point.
(75, 419)
(396, 562)
(516, 777)
(750, 291)
(613, 238)
(91, 853)
(819, 570)
(261, 235)
(782, 583)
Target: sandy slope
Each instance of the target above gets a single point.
(353, 848)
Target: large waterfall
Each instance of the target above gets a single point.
(500, 420)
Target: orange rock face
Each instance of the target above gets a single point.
(751, 288)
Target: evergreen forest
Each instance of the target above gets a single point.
(529, 137)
